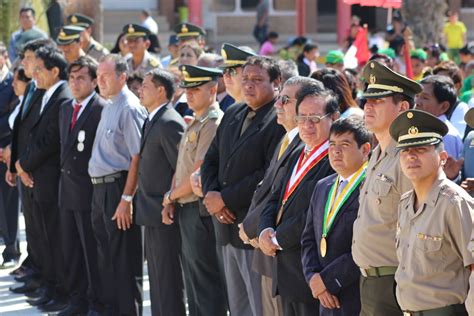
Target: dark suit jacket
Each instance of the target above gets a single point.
(339, 272)
(75, 186)
(303, 69)
(288, 278)
(41, 157)
(235, 164)
(8, 101)
(158, 156)
(23, 125)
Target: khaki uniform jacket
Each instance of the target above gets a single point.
(148, 63)
(96, 50)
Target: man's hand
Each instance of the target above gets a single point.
(7, 153)
(225, 216)
(26, 178)
(468, 185)
(243, 235)
(328, 300)
(316, 285)
(123, 215)
(167, 199)
(452, 167)
(196, 184)
(10, 178)
(213, 202)
(266, 244)
(167, 214)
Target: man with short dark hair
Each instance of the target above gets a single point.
(78, 120)
(69, 42)
(113, 169)
(38, 169)
(234, 164)
(161, 135)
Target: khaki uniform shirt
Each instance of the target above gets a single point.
(432, 248)
(194, 145)
(96, 50)
(373, 241)
(148, 63)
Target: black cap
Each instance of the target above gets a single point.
(414, 128)
(69, 34)
(135, 30)
(80, 20)
(384, 82)
(188, 30)
(234, 56)
(194, 76)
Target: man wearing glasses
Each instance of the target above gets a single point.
(283, 218)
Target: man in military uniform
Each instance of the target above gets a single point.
(434, 224)
(187, 32)
(69, 42)
(141, 61)
(387, 94)
(90, 46)
(205, 291)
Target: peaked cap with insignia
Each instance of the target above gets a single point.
(80, 20)
(194, 76)
(135, 30)
(234, 56)
(186, 30)
(414, 128)
(69, 34)
(384, 82)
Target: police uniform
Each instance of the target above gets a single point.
(94, 49)
(204, 288)
(431, 241)
(69, 34)
(379, 198)
(148, 62)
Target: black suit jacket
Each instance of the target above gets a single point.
(303, 69)
(23, 124)
(8, 101)
(41, 157)
(75, 186)
(235, 164)
(158, 156)
(288, 278)
(338, 270)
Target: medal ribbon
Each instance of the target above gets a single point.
(301, 169)
(332, 205)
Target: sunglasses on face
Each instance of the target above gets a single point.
(315, 119)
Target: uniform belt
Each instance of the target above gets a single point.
(378, 272)
(107, 179)
(457, 309)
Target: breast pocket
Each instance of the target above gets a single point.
(428, 253)
(385, 200)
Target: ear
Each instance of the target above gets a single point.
(335, 116)
(55, 71)
(444, 107)
(443, 156)
(366, 149)
(147, 43)
(276, 84)
(404, 106)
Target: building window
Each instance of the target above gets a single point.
(223, 5)
(249, 5)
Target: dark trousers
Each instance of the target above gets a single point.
(119, 253)
(204, 286)
(377, 296)
(80, 254)
(292, 308)
(9, 217)
(46, 223)
(162, 251)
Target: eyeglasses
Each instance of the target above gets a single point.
(315, 119)
(284, 99)
(230, 72)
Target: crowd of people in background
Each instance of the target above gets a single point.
(270, 182)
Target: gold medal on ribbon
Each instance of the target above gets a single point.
(323, 247)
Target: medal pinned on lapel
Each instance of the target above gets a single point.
(81, 136)
(192, 137)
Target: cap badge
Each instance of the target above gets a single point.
(62, 34)
(372, 65)
(413, 131)
(372, 79)
(131, 29)
(184, 29)
(74, 19)
(223, 54)
(410, 115)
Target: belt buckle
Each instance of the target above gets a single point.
(363, 272)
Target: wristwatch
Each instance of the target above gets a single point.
(127, 198)
(168, 196)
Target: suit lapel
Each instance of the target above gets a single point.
(352, 198)
(51, 100)
(38, 94)
(151, 123)
(291, 147)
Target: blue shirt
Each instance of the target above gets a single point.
(468, 154)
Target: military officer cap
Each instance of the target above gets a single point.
(469, 117)
(335, 57)
(194, 76)
(384, 82)
(69, 34)
(187, 30)
(414, 128)
(80, 20)
(234, 56)
(135, 30)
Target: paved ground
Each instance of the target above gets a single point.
(15, 305)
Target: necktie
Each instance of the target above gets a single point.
(146, 126)
(75, 113)
(341, 186)
(284, 146)
(29, 96)
(248, 120)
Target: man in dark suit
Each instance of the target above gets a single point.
(78, 120)
(38, 169)
(289, 146)
(326, 242)
(234, 164)
(162, 133)
(282, 220)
